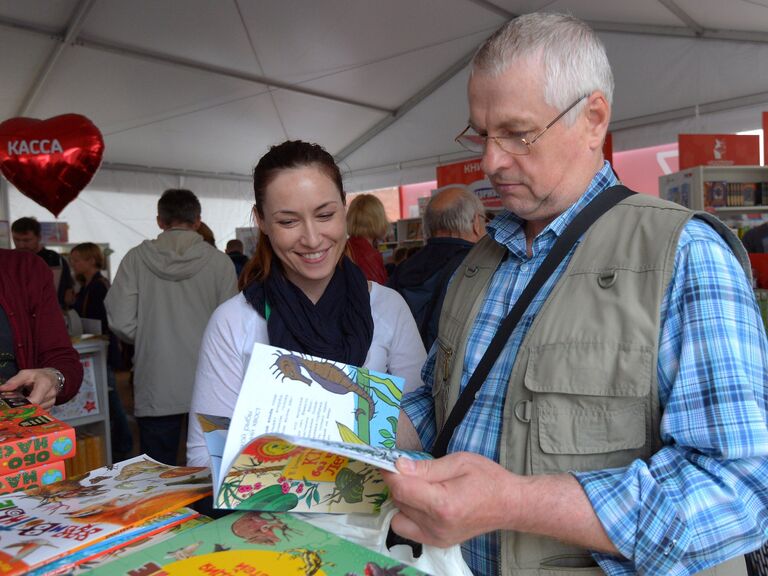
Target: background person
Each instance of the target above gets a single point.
(163, 295)
(454, 219)
(26, 234)
(87, 261)
(624, 423)
(367, 225)
(235, 251)
(755, 239)
(205, 231)
(36, 354)
(319, 302)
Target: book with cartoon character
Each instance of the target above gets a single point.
(306, 435)
(256, 543)
(30, 438)
(45, 523)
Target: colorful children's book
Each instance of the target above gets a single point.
(40, 475)
(30, 436)
(256, 543)
(42, 524)
(138, 533)
(138, 544)
(307, 435)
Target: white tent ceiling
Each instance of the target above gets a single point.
(207, 85)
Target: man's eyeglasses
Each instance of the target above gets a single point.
(474, 142)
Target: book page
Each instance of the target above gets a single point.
(287, 392)
(281, 472)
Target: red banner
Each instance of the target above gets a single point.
(718, 150)
(608, 148)
(469, 173)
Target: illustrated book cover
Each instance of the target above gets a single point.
(256, 543)
(42, 524)
(90, 555)
(307, 435)
(30, 436)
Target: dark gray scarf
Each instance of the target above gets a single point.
(339, 327)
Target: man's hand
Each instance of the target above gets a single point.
(449, 500)
(41, 383)
(452, 499)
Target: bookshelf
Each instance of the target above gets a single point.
(723, 190)
(409, 230)
(88, 411)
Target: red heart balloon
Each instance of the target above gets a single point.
(50, 161)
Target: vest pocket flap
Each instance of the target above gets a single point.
(591, 431)
(590, 369)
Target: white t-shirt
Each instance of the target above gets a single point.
(234, 328)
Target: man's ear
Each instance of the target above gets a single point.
(196, 224)
(162, 225)
(598, 116)
(478, 226)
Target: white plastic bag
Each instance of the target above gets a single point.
(370, 530)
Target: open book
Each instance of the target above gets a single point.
(48, 522)
(306, 435)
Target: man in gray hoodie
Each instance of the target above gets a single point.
(163, 295)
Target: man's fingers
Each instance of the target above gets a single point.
(439, 470)
(407, 528)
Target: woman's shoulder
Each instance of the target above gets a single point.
(384, 298)
(235, 310)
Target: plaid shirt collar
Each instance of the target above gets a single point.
(509, 230)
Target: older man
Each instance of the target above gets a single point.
(623, 426)
(454, 220)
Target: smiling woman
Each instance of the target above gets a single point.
(299, 291)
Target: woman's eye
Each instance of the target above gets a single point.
(286, 222)
(326, 215)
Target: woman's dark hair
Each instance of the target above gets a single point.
(289, 155)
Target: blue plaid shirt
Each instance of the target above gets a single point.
(702, 498)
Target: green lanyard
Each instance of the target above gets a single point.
(267, 310)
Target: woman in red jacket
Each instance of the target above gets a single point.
(367, 226)
(35, 351)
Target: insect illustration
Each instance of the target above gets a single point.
(326, 374)
(184, 552)
(373, 569)
(311, 558)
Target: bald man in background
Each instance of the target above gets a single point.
(453, 221)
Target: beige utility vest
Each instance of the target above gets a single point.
(582, 394)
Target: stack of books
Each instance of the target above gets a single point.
(51, 528)
(33, 444)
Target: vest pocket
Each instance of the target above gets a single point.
(590, 406)
(571, 563)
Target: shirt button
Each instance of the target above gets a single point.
(524, 267)
(670, 546)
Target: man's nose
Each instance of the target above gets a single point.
(494, 158)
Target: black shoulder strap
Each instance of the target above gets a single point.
(583, 220)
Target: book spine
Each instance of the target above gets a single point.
(41, 475)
